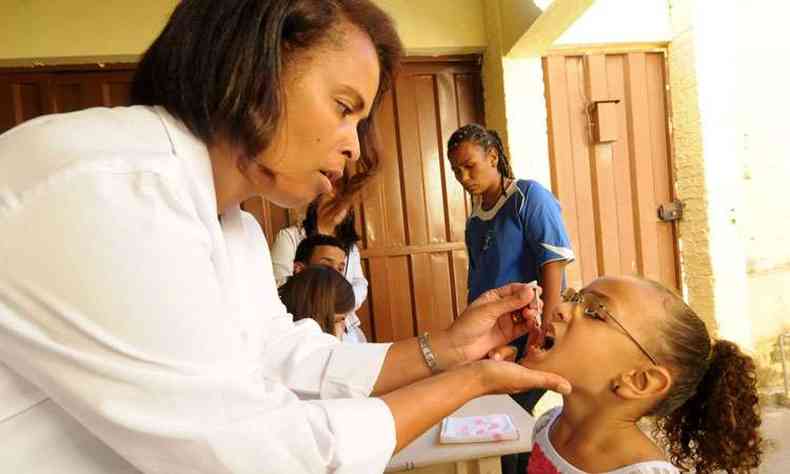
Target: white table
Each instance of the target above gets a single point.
(426, 455)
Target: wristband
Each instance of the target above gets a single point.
(427, 353)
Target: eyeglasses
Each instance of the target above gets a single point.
(595, 309)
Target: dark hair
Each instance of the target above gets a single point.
(709, 420)
(217, 66)
(317, 292)
(486, 139)
(345, 231)
(305, 249)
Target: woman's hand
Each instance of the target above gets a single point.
(495, 318)
(507, 377)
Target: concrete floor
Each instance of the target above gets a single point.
(776, 429)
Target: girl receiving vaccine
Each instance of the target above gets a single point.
(632, 349)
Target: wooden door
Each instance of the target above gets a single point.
(610, 192)
(413, 215)
(28, 93)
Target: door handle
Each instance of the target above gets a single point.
(671, 211)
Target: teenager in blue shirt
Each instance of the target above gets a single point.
(515, 231)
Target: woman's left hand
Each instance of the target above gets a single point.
(495, 318)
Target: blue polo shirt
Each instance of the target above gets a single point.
(514, 239)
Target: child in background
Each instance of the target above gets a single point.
(321, 293)
(320, 249)
(328, 214)
(631, 349)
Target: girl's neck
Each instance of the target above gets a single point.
(491, 195)
(585, 429)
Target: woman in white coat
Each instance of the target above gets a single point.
(328, 216)
(140, 327)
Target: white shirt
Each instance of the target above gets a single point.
(137, 332)
(283, 254)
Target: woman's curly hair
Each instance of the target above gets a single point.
(710, 418)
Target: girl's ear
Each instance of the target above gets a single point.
(651, 381)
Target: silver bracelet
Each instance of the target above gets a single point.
(427, 353)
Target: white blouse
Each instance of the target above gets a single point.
(283, 255)
(138, 332)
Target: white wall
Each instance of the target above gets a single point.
(762, 107)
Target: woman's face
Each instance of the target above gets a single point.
(475, 168)
(590, 349)
(327, 92)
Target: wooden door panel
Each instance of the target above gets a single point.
(411, 160)
(459, 266)
(431, 159)
(586, 248)
(22, 97)
(642, 180)
(430, 101)
(390, 298)
(28, 94)
(662, 173)
(382, 205)
(602, 176)
(447, 103)
(116, 93)
(77, 91)
(610, 191)
(433, 291)
(561, 163)
(621, 173)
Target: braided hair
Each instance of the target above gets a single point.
(486, 139)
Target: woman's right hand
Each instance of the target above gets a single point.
(503, 377)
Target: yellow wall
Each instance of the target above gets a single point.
(517, 18)
(429, 27)
(46, 28)
(694, 232)
(58, 28)
(493, 72)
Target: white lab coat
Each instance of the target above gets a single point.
(283, 255)
(137, 332)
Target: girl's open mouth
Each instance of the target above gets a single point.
(541, 345)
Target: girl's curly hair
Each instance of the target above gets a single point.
(710, 418)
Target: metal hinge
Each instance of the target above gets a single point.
(671, 211)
